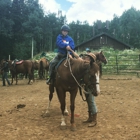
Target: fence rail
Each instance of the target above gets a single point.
(122, 64)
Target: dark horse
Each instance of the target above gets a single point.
(44, 66)
(26, 66)
(67, 79)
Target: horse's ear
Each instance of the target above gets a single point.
(101, 51)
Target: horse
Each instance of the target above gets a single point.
(67, 78)
(44, 65)
(24, 67)
(99, 58)
(36, 64)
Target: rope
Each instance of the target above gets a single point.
(68, 60)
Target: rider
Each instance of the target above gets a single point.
(64, 43)
(92, 109)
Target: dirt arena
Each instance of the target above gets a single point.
(118, 112)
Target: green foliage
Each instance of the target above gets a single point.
(22, 20)
(118, 61)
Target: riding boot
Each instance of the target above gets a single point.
(49, 79)
(48, 82)
(89, 118)
(94, 120)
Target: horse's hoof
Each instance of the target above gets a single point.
(73, 127)
(63, 127)
(47, 114)
(66, 113)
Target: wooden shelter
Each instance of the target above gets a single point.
(102, 40)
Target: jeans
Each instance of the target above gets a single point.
(91, 103)
(54, 62)
(4, 76)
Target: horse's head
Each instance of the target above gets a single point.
(102, 58)
(91, 80)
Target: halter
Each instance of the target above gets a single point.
(89, 86)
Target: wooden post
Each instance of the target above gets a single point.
(117, 64)
(32, 48)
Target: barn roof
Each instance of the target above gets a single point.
(103, 33)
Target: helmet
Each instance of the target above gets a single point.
(88, 50)
(65, 28)
(92, 56)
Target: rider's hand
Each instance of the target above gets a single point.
(68, 48)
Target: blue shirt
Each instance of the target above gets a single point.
(63, 41)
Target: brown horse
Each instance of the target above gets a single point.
(36, 64)
(68, 76)
(25, 67)
(44, 66)
(100, 58)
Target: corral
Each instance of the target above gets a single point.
(22, 108)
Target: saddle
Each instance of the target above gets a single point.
(59, 63)
(17, 62)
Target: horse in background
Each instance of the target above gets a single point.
(44, 66)
(36, 64)
(24, 67)
(67, 79)
(100, 58)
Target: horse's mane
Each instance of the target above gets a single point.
(76, 63)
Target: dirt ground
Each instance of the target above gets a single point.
(118, 112)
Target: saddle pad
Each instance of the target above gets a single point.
(19, 62)
(56, 67)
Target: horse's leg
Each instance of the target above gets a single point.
(30, 75)
(61, 96)
(12, 78)
(16, 79)
(51, 89)
(66, 113)
(72, 108)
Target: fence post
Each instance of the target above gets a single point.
(117, 64)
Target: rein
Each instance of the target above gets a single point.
(68, 60)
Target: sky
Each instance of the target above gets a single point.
(89, 10)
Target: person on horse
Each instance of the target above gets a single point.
(64, 43)
(5, 70)
(92, 109)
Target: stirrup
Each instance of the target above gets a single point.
(48, 82)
